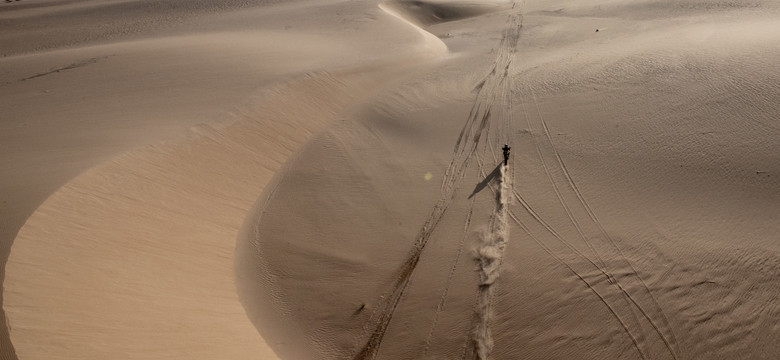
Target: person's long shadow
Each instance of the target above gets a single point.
(484, 183)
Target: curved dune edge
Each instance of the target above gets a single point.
(135, 255)
(431, 43)
(432, 12)
(134, 258)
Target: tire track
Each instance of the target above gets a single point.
(602, 266)
(591, 286)
(490, 253)
(592, 217)
(579, 276)
(477, 124)
(637, 339)
(507, 49)
(450, 275)
(613, 243)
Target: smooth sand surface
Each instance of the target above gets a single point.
(165, 287)
(323, 179)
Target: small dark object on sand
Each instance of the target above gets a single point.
(360, 309)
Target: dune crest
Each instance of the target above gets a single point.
(136, 254)
(432, 12)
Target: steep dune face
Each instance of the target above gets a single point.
(133, 258)
(431, 12)
(139, 249)
(66, 109)
(642, 187)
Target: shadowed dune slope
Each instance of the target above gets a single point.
(430, 12)
(642, 189)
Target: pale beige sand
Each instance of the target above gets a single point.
(133, 258)
(638, 217)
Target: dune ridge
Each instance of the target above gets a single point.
(431, 12)
(137, 252)
(117, 196)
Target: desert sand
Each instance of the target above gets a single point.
(324, 179)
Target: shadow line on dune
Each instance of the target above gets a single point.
(487, 180)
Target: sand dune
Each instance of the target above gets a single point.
(135, 254)
(433, 12)
(627, 205)
(322, 179)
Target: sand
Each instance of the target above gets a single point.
(323, 179)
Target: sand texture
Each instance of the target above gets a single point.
(295, 180)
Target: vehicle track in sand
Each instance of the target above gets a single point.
(622, 313)
(579, 274)
(490, 253)
(559, 259)
(494, 103)
(592, 217)
(630, 302)
(476, 127)
(450, 276)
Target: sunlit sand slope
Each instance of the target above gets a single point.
(138, 257)
(133, 257)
